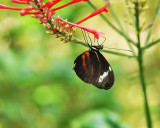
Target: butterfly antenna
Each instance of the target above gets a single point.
(89, 38)
(119, 49)
(97, 42)
(113, 44)
(104, 39)
(85, 37)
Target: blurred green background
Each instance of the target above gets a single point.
(39, 89)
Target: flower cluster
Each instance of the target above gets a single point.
(55, 25)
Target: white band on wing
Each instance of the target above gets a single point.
(103, 76)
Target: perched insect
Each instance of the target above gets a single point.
(92, 67)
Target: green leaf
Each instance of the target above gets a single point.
(158, 8)
(98, 119)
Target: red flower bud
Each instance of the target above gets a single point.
(48, 27)
(22, 1)
(49, 4)
(72, 2)
(26, 12)
(11, 8)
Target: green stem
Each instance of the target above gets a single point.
(116, 18)
(141, 67)
(111, 25)
(129, 44)
(142, 78)
(154, 18)
(151, 44)
(132, 18)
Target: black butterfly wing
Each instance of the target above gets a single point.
(93, 68)
(106, 78)
(86, 66)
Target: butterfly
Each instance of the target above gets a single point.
(92, 67)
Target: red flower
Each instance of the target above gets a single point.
(26, 12)
(44, 12)
(103, 9)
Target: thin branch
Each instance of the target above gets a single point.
(133, 20)
(154, 18)
(111, 25)
(130, 12)
(115, 16)
(141, 66)
(129, 44)
(106, 51)
(120, 25)
(151, 44)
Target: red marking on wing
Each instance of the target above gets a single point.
(87, 54)
(92, 69)
(84, 62)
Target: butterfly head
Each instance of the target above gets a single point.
(94, 47)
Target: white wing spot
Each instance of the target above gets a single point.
(103, 76)
(74, 66)
(110, 69)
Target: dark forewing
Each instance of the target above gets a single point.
(87, 67)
